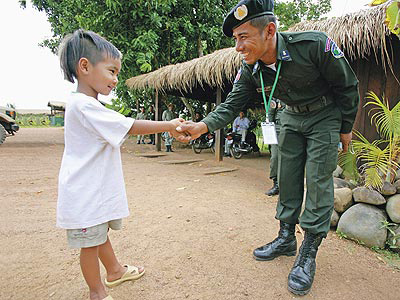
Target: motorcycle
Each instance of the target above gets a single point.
(205, 141)
(238, 148)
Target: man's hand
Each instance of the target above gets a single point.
(190, 130)
(345, 138)
(175, 123)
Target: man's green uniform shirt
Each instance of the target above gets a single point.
(312, 67)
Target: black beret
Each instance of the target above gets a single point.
(244, 11)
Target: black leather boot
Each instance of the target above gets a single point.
(168, 148)
(274, 190)
(301, 276)
(284, 244)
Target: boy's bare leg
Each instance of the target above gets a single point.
(89, 260)
(107, 256)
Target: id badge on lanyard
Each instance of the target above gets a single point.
(268, 128)
(269, 133)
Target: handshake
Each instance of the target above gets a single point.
(185, 131)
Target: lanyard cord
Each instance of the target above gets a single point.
(273, 88)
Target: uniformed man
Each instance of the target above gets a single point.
(309, 73)
(274, 115)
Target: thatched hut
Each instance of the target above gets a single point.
(196, 79)
(372, 50)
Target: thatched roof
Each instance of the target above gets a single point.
(359, 34)
(210, 70)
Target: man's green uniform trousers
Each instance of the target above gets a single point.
(308, 142)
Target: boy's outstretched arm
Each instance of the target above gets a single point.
(150, 127)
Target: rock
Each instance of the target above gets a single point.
(398, 174)
(343, 199)
(365, 195)
(397, 186)
(334, 218)
(363, 223)
(388, 189)
(393, 240)
(338, 172)
(393, 208)
(340, 183)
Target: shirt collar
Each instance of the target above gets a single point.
(281, 53)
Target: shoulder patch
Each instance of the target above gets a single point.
(328, 45)
(335, 50)
(239, 73)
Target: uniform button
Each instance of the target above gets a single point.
(290, 38)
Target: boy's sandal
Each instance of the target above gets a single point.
(108, 298)
(132, 273)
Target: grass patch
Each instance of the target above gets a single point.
(388, 257)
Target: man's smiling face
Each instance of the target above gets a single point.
(250, 42)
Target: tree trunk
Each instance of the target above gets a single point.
(189, 107)
(199, 47)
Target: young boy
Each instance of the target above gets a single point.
(91, 192)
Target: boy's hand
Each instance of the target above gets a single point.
(191, 130)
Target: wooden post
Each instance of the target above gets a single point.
(218, 133)
(157, 108)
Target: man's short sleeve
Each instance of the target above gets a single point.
(109, 125)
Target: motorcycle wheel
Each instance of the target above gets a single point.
(235, 152)
(196, 146)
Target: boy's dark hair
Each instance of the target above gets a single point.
(261, 22)
(83, 43)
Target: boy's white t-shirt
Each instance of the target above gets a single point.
(91, 187)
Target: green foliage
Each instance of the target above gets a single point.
(391, 227)
(149, 33)
(348, 162)
(378, 159)
(389, 257)
(155, 33)
(341, 234)
(292, 12)
(392, 15)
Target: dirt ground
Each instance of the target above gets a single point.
(194, 233)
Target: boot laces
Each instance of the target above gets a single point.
(305, 249)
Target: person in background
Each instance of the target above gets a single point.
(91, 189)
(151, 115)
(240, 126)
(198, 117)
(141, 116)
(168, 115)
(275, 109)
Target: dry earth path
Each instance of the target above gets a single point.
(194, 233)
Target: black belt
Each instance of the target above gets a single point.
(316, 105)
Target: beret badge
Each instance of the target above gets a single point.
(241, 12)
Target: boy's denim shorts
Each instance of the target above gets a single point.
(92, 236)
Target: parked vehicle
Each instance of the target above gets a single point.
(8, 125)
(205, 141)
(238, 148)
